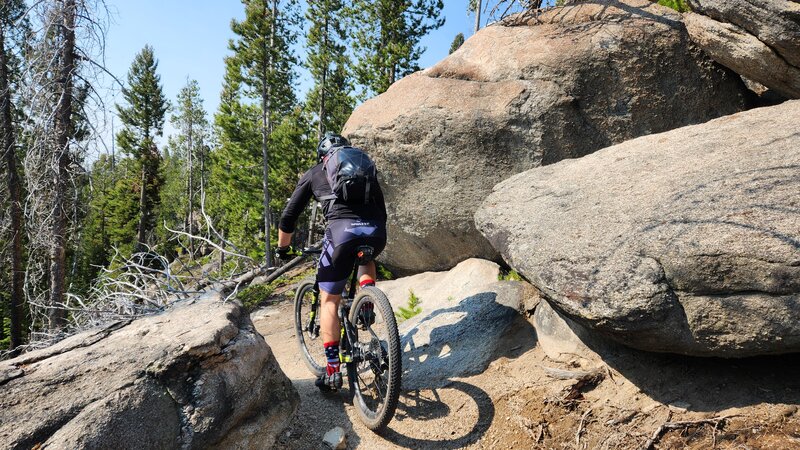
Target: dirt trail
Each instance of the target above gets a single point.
(515, 403)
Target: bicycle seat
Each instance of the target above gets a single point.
(312, 251)
(364, 254)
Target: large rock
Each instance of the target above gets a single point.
(198, 376)
(760, 39)
(686, 241)
(466, 314)
(517, 96)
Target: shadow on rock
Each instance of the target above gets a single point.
(693, 383)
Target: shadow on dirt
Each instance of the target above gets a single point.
(450, 343)
(308, 427)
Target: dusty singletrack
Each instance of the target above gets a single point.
(635, 399)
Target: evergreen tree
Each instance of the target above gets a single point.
(387, 38)
(328, 63)
(188, 156)
(458, 41)
(10, 14)
(96, 243)
(235, 168)
(143, 120)
(266, 65)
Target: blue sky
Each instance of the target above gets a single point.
(190, 39)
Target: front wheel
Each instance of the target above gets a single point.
(376, 370)
(306, 327)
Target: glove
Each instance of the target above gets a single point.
(285, 253)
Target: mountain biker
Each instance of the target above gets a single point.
(348, 227)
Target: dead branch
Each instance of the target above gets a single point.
(561, 374)
(580, 427)
(666, 426)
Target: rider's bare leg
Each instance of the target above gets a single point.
(367, 272)
(329, 329)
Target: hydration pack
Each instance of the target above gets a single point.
(351, 174)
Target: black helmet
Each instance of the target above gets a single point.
(329, 141)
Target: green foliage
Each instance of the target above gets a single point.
(254, 296)
(291, 156)
(183, 167)
(121, 206)
(143, 117)
(457, 42)
(387, 38)
(677, 5)
(235, 169)
(330, 98)
(511, 275)
(263, 55)
(412, 309)
(383, 272)
(143, 120)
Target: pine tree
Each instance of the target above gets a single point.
(188, 157)
(64, 85)
(266, 63)
(328, 63)
(143, 121)
(235, 167)
(10, 13)
(96, 243)
(388, 36)
(458, 41)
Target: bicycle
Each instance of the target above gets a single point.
(373, 364)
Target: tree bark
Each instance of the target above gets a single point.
(16, 311)
(266, 128)
(478, 8)
(141, 230)
(190, 184)
(63, 127)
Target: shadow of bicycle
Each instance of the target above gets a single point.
(452, 343)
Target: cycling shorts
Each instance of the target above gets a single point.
(342, 238)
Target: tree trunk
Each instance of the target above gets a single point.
(190, 185)
(478, 8)
(142, 228)
(63, 127)
(266, 128)
(322, 81)
(16, 311)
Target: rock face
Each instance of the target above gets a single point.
(517, 96)
(685, 242)
(759, 39)
(466, 313)
(198, 376)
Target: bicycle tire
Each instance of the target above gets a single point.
(311, 348)
(378, 417)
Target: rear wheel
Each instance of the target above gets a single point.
(375, 373)
(306, 324)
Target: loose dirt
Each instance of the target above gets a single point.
(630, 400)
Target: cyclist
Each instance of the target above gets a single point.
(348, 227)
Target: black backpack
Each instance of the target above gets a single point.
(351, 174)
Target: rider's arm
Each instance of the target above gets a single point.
(300, 197)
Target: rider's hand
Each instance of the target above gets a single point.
(285, 253)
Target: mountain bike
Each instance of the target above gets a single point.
(369, 344)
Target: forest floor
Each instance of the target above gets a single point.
(631, 400)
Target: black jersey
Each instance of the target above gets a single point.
(314, 183)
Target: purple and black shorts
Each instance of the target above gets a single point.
(342, 238)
